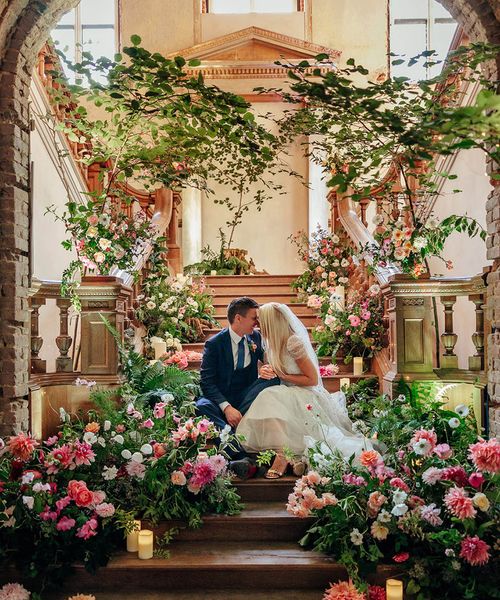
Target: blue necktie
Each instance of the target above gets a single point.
(241, 354)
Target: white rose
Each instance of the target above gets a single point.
(399, 510)
(118, 439)
(104, 244)
(89, 438)
(106, 425)
(134, 435)
(29, 501)
(150, 305)
(147, 449)
(137, 457)
(356, 537)
(126, 454)
(399, 496)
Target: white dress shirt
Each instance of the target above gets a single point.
(235, 340)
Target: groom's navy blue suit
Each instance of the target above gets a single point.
(222, 382)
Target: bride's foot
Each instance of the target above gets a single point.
(278, 467)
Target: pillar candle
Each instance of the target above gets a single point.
(394, 589)
(160, 348)
(145, 543)
(340, 292)
(132, 537)
(344, 381)
(357, 366)
(213, 273)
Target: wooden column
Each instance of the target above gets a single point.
(64, 363)
(37, 365)
(106, 296)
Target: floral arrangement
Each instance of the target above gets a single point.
(356, 330)
(429, 505)
(181, 359)
(140, 453)
(179, 306)
(346, 590)
(408, 246)
(328, 370)
(103, 236)
(328, 260)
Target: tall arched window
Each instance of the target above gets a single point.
(90, 27)
(252, 6)
(418, 25)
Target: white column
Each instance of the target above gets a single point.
(191, 225)
(319, 208)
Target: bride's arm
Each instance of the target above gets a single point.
(309, 376)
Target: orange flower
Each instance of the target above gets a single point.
(93, 427)
(370, 458)
(343, 590)
(22, 446)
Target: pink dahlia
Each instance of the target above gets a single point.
(343, 590)
(14, 591)
(486, 455)
(376, 592)
(455, 474)
(459, 504)
(474, 551)
(84, 455)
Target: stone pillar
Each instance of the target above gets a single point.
(191, 225)
(319, 207)
(105, 296)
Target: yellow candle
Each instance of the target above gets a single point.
(340, 293)
(344, 381)
(394, 589)
(132, 537)
(160, 348)
(145, 544)
(357, 365)
(213, 273)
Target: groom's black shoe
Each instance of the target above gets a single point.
(244, 468)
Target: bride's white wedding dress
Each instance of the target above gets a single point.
(295, 417)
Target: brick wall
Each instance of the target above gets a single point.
(24, 27)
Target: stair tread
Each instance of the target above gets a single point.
(225, 555)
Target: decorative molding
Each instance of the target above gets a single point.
(413, 301)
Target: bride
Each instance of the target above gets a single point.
(300, 411)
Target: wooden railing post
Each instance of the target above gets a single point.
(449, 359)
(106, 296)
(476, 362)
(37, 364)
(64, 363)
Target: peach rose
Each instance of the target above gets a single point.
(93, 427)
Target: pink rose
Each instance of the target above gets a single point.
(106, 509)
(178, 478)
(476, 480)
(354, 320)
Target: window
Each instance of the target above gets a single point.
(90, 27)
(418, 25)
(252, 6)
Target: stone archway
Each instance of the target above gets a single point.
(24, 27)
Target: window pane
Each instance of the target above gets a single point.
(409, 9)
(441, 36)
(438, 10)
(229, 6)
(409, 40)
(68, 18)
(99, 42)
(275, 6)
(95, 12)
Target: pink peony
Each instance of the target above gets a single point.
(65, 524)
(106, 509)
(51, 440)
(135, 469)
(443, 451)
(486, 455)
(343, 590)
(459, 504)
(218, 462)
(474, 551)
(203, 473)
(14, 591)
(22, 446)
(476, 480)
(48, 515)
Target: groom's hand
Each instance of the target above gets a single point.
(267, 372)
(233, 416)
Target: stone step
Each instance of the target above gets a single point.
(260, 297)
(265, 490)
(250, 289)
(215, 594)
(259, 521)
(227, 564)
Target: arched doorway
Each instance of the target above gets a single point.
(24, 27)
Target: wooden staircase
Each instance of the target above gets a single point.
(255, 550)
(265, 288)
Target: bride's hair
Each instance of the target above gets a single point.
(276, 331)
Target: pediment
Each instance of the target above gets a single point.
(254, 45)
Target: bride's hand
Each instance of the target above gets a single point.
(267, 372)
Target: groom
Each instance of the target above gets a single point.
(230, 375)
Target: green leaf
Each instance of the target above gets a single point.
(135, 39)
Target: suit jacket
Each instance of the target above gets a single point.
(217, 364)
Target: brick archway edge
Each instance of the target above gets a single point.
(24, 27)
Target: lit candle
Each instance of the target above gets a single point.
(145, 542)
(394, 589)
(160, 347)
(357, 366)
(213, 273)
(132, 537)
(344, 381)
(340, 293)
